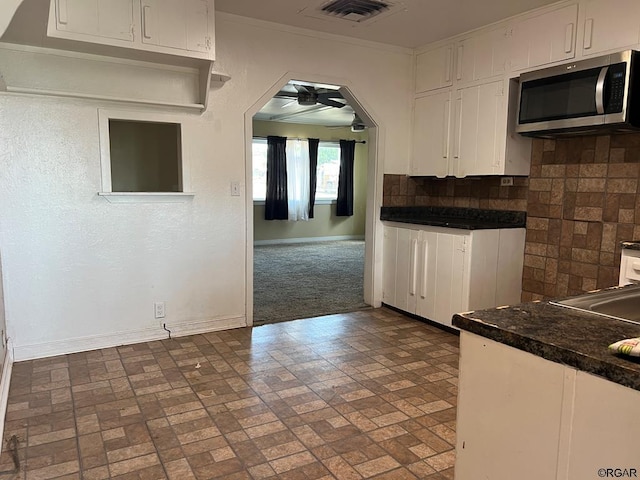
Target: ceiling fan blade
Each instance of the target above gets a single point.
(328, 101)
(304, 88)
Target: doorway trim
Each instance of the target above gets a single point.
(373, 228)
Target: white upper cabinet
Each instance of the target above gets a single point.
(610, 25)
(95, 18)
(482, 56)
(176, 27)
(545, 38)
(434, 69)
(183, 25)
(483, 142)
(431, 139)
(480, 119)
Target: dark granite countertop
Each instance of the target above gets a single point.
(454, 217)
(559, 334)
(633, 245)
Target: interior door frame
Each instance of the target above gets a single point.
(373, 227)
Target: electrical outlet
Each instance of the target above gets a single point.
(159, 309)
(506, 181)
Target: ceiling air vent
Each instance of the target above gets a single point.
(355, 10)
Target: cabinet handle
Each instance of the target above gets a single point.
(445, 130)
(568, 38)
(414, 259)
(458, 132)
(147, 31)
(63, 16)
(459, 66)
(447, 65)
(425, 262)
(588, 33)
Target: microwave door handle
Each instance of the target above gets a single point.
(600, 90)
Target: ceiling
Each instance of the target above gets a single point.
(284, 107)
(407, 23)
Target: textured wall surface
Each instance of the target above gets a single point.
(583, 201)
(481, 192)
(83, 273)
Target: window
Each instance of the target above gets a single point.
(259, 155)
(327, 172)
(141, 153)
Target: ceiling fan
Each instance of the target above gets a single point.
(309, 96)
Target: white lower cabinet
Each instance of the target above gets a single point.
(521, 416)
(435, 272)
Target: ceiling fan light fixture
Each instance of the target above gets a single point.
(307, 98)
(357, 125)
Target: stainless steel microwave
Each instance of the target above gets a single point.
(589, 96)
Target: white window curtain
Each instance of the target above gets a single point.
(298, 179)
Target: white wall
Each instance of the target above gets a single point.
(81, 272)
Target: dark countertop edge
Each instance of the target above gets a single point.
(455, 217)
(633, 245)
(623, 375)
(459, 224)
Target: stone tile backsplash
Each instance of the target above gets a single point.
(581, 199)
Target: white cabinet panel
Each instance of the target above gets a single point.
(434, 69)
(543, 39)
(389, 262)
(100, 18)
(481, 56)
(442, 282)
(610, 25)
(182, 25)
(436, 272)
(176, 27)
(480, 130)
(510, 407)
(450, 270)
(603, 437)
(431, 120)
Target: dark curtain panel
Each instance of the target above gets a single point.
(313, 167)
(276, 202)
(344, 208)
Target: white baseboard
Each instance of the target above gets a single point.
(257, 243)
(94, 342)
(5, 380)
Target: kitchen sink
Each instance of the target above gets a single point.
(619, 303)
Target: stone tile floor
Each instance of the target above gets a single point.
(370, 394)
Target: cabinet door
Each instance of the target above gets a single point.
(100, 18)
(450, 275)
(406, 269)
(434, 69)
(610, 25)
(510, 408)
(182, 25)
(427, 282)
(606, 419)
(480, 129)
(482, 56)
(430, 150)
(547, 38)
(389, 263)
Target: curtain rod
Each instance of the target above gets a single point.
(298, 138)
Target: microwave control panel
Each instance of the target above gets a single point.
(616, 79)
